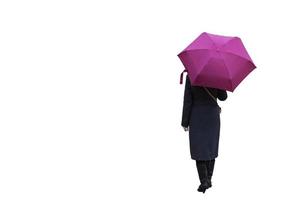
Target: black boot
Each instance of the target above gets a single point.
(203, 175)
(210, 169)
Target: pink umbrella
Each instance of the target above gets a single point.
(216, 61)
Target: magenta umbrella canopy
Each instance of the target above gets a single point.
(216, 61)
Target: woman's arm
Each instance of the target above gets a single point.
(187, 103)
(222, 94)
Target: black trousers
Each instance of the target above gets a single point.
(205, 169)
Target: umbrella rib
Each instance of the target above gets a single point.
(238, 56)
(212, 41)
(227, 70)
(202, 69)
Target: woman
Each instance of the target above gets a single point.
(201, 117)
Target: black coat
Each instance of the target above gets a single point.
(201, 114)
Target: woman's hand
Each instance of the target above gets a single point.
(185, 128)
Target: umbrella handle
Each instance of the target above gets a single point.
(181, 75)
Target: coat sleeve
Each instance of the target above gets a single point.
(222, 95)
(187, 103)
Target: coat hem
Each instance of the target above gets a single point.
(211, 158)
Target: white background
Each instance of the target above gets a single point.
(90, 100)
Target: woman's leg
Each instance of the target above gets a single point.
(210, 169)
(203, 175)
